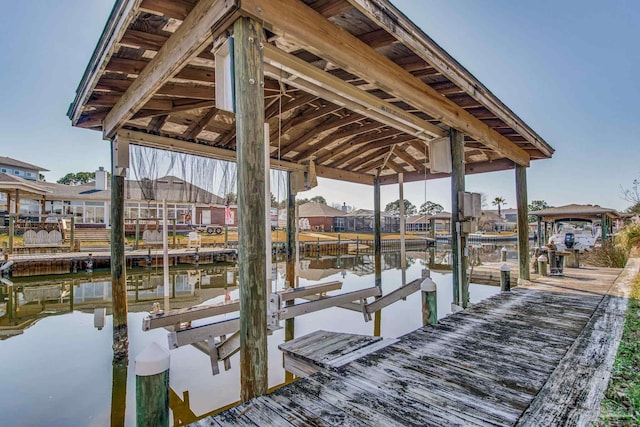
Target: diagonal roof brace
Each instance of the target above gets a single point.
(296, 72)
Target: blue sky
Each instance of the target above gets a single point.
(565, 67)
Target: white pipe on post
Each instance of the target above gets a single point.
(403, 253)
(165, 250)
(267, 201)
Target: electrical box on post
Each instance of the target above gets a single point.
(120, 156)
(440, 155)
(225, 78)
(470, 204)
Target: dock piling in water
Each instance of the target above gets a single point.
(152, 386)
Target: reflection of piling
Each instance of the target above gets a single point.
(505, 278)
(152, 386)
(429, 299)
(118, 393)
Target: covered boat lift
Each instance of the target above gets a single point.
(350, 90)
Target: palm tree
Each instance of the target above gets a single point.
(499, 201)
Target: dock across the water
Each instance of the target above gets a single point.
(72, 262)
(538, 355)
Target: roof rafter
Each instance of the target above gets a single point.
(308, 29)
(188, 41)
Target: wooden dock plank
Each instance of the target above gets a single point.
(515, 353)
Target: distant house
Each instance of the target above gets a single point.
(320, 217)
(491, 221)
(420, 223)
(361, 220)
(90, 203)
(20, 169)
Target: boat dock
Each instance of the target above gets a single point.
(538, 355)
(72, 262)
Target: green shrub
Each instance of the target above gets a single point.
(610, 254)
(630, 236)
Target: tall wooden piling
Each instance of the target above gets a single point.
(289, 328)
(248, 60)
(458, 239)
(118, 266)
(523, 221)
(377, 230)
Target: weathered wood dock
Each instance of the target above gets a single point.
(71, 262)
(535, 356)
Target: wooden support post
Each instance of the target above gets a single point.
(505, 277)
(118, 267)
(248, 60)
(137, 233)
(458, 240)
(523, 221)
(289, 327)
(174, 231)
(429, 293)
(17, 204)
(540, 234)
(72, 233)
(377, 238)
(12, 231)
(403, 253)
(152, 386)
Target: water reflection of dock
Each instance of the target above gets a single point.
(24, 302)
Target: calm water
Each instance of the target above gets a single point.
(56, 364)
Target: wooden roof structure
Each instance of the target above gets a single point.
(353, 85)
(575, 212)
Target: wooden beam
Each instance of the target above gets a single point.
(391, 19)
(152, 41)
(178, 105)
(378, 38)
(172, 89)
(329, 8)
(343, 175)
(304, 117)
(135, 66)
(364, 148)
(300, 69)
(177, 9)
(357, 140)
(402, 154)
(323, 38)
(180, 146)
(470, 169)
(197, 127)
(340, 134)
(327, 125)
(197, 30)
(365, 160)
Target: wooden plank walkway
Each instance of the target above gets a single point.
(505, 361)
(71, 262)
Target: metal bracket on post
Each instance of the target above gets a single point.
(363, 305)
(274, 310)
(213, 354)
